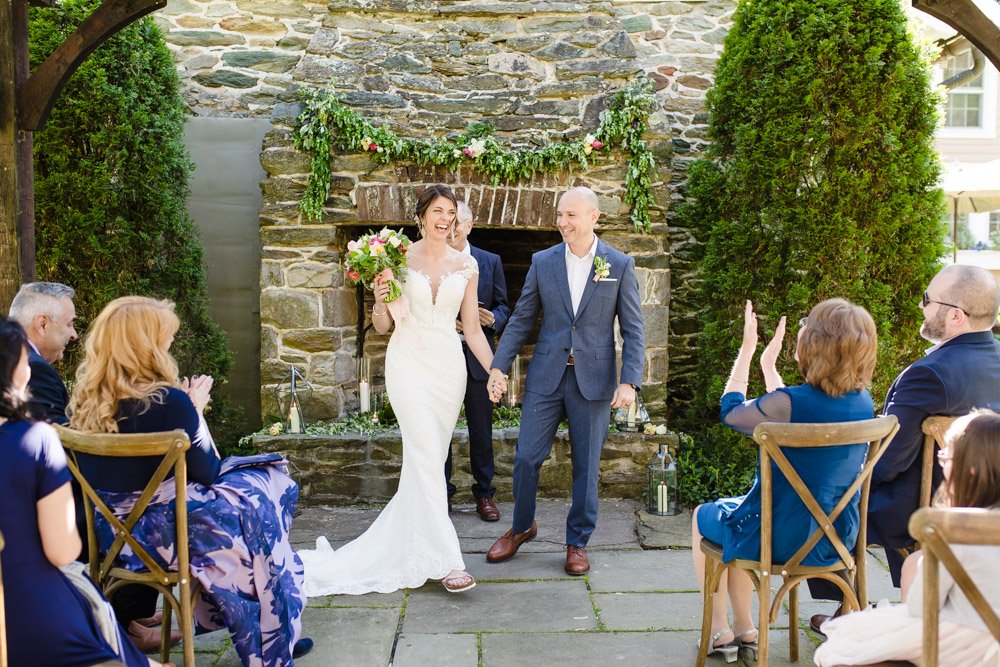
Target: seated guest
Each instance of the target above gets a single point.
(239, 509)
(971, 462)
(46, 312)
(961, 371)
(49, 620)
(836, 356)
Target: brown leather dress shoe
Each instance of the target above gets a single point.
(508, 544)
(147, 640)
(487, 509)
(577, 563)
(817, 620)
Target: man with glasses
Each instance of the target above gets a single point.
(961, 371)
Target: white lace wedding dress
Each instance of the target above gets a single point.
(413, 539)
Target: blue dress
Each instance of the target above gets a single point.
(48, 620)
(239, 516)
(827, 472)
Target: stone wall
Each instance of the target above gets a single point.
(429, 67)
(351, 468)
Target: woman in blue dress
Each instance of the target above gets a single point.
(239, 509)
(836, 355)
(49, 620)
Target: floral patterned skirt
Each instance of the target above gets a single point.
(240, 553)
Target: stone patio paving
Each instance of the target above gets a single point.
(636, 606)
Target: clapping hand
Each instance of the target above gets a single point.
(769, 357)
(199, 390)
(749, 328)
(497, 385)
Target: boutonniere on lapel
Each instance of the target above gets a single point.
(602, 269)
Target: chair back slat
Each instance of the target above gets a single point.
(936, 529)
(934, 428)
(172, 446)
(773, 436)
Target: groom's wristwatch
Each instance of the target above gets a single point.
(634, 386)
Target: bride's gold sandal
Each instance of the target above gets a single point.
(456, 583)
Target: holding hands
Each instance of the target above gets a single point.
(497, 384)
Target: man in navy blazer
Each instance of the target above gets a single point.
(493, 315)
(46, 312)
(580, 287)
(961, 371)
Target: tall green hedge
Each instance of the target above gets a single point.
(111, 183)
(820, 182)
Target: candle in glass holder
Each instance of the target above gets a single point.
(364, 396)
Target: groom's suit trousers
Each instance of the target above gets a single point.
(588, 427)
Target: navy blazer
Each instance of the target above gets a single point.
(962, 374)
(492, 293)
(49, 397)
(590, 334)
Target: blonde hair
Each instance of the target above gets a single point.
(126, 357)
(837, 347)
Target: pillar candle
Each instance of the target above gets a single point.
(364, 396)
(661, 498)
(294, 420)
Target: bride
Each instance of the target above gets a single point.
(413, 539)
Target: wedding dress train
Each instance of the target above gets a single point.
(413, 539)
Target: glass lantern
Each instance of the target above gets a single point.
(662, 488)
(293, 394)
(633, 418)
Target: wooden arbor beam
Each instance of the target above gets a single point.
(968, 19)
(40, 91)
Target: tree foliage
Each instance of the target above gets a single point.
(820, 182)
(111, 184)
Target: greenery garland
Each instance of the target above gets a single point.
(326, 123)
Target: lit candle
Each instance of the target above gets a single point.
(661, 498)
(364, 396)
(294, 420)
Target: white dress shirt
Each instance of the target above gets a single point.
(577, 272)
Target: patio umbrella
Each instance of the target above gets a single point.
(972, 188)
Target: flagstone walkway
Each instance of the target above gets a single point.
(635, 607)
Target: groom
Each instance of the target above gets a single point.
(580, 287)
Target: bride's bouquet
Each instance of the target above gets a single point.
(372, 255)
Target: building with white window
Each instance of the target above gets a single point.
(968, 138)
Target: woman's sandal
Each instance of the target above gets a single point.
(751, 646)
(730, 650)
(456, 583)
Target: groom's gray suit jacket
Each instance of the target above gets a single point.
(589, 334)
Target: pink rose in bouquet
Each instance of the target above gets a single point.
(373, 257)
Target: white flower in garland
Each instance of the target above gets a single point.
(475, 148)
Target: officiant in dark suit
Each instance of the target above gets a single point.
(493, 314)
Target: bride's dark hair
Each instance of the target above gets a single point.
(429, 195)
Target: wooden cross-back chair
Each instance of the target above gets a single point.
(934, 428)
(936, 529)
(848, 573)
(104, 570)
